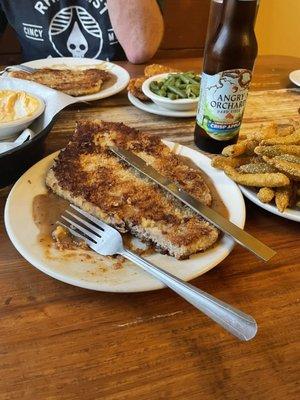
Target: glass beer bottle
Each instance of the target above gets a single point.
(227, 73)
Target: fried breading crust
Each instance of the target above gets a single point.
(89, 175)
(282, 197)
(135, 88)
(243, 147)
(156, 69)
(276, 179)
(70, 81)
(278, 149)
(265, 194)
(290, 168)
(274, 160)
(294, 138)
(221, 161)
(256, 168)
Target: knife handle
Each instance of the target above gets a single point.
(236, 322)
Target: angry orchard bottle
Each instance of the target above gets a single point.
(227, 73)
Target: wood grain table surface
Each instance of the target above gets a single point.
(62, 342)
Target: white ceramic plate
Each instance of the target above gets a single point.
(295, 77)
(153, 108)
(289, 213)
(100, 273)
(122, 76)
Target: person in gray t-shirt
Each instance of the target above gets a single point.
(100, 29)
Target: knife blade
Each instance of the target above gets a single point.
(239, 235)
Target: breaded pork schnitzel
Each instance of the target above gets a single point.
(88, 174)
(70, 81)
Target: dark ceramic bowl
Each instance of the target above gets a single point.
(15, 162)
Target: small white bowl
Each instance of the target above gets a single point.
(10, 130)
(176, 105)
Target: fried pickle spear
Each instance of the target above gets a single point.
(294, 138)
(243, 147)
(256, 168)
(266, 132)
(288, 167)
(282, 197)
(272, 151)
(275, 179)
(156, 69)
(289, 157)
(265, 194)
(135, 88)
(285, 130)
(220, 161)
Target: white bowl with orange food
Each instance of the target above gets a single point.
(18, 109)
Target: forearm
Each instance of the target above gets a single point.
(138, 25)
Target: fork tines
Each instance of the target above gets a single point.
(88, 228)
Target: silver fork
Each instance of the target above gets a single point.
(107, 241)
(21, 67)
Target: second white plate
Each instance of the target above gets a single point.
(121, 75)
(290, 213)
(153, 108)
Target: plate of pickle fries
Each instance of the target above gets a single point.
(266, 165)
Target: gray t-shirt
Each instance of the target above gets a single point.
(62, 28)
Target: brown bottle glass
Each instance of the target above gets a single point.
(228, 63)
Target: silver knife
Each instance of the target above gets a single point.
(239, 235)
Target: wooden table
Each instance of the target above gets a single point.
(62, 342)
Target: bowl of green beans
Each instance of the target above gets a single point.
(175, 91)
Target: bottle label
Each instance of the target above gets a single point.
(222, 102)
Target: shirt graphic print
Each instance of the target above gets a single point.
(53, 28)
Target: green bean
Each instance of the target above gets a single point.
(153, 86)
(184, 85)
(177, 91)
(162, 92)
(172, 96)
(170, 81)
(187, 79)
(193, 88)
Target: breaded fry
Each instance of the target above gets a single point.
(289, 157)
(282, 197)
(294, 138)
(266, 132)
(270, 130)
(256, 168)
(156, 69)
(253, 136)
(243, 147)
(265, 194)
(276, 179)
(290, 168)
(221, 161)
(135, 88)
(285, 130)
(272, 151)
(268, 158)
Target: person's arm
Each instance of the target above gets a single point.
(138, 25)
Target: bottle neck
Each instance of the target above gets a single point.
(239, 13)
